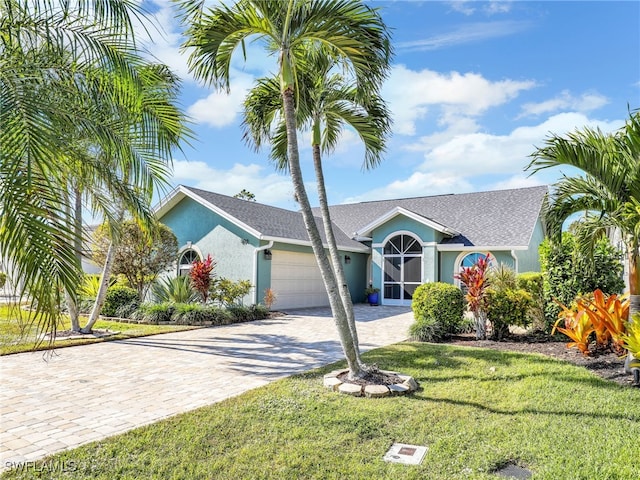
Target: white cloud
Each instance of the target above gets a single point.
(455, 161)
(462, 6)
(497, 6)
(417, 185)
(464, 34)
(269, 187)
(411, 94)
(482, 153)
(565, 101)
(518, 181)
(220, 109)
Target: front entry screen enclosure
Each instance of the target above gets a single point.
(402, 268)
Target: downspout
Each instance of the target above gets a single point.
(255, 269)
(515, 261)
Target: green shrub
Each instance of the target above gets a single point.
(117, 297)
(508, 307)
(220, 316)
(439, 308)
(247, 314)
(3, 279)
(228, 293)
(127, 311)
(568, 273)
(502, 277)
(426, 330)
(193, 314)
(90, 284)
(532, 283)
(197, 313)
(176, 290)
(154, 313)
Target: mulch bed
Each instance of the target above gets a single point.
(607, 364)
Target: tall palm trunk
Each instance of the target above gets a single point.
(71, 297)
(345, 295)
(634, 301)
(102, 290)
(104, 281)
(328, 277)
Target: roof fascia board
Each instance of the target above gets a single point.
(168, 201)
(394, 212)
(307, 243)
(459, 247)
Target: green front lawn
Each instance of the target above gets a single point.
(476, 411)
(19, 331)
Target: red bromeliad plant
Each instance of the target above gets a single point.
(201, 275)
(474, 278)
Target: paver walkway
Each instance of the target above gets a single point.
(86, 393)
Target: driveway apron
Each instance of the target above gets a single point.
(50, 403)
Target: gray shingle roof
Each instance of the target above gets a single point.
(496, 218)
(500, 218)
(270, 221)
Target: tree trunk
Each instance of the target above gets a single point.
(102, 290)
(481, 325)
(634, 301)
(71, 297)
(345, 295)
(105, 279)
(337, 308)
(73, 311)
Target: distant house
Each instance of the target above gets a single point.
(395, 245)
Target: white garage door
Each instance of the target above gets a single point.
(296, 280)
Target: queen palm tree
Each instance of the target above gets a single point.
(608, 192)
(70, 67)
(351, 29)
(325, 105)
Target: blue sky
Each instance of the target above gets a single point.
(475, 87)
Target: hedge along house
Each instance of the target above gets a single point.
(394, 245)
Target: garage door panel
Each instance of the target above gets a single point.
(296, 280)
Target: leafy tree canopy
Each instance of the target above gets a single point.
(141, 255)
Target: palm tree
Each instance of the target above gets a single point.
(351, 29)
(326, 103)
(157, 107)
(71, 64)
(608, 193)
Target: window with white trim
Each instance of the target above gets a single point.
(185, 261)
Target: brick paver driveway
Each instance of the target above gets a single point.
(85, 393)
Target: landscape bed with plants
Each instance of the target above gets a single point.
(526, 312)
(175, 303)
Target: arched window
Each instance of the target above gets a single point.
(185, 261)
(468, 260)
(402, 269)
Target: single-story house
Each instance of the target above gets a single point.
(394, 245)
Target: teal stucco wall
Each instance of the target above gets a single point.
(529, 260)
(214, 235)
